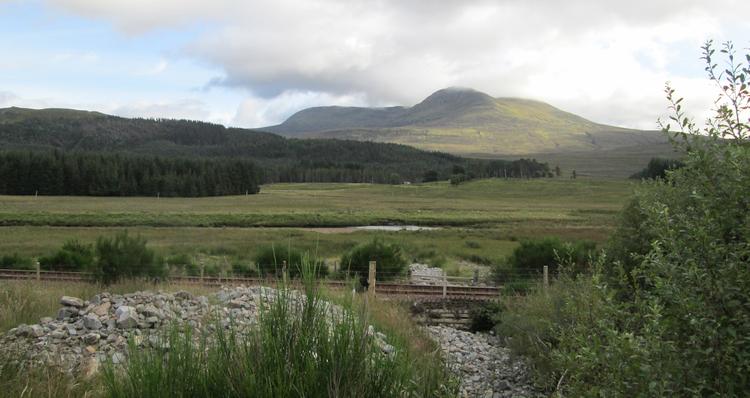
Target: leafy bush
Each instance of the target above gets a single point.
(674, 320)
(270, 260)
(244, 270)
(530, 257)
(484, 316)
(15, 261)
(183, 263)
(73, 256)
(123, 257)
(389, 257)
(658, 168)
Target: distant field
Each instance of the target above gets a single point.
(612, 163)
(480, 221)
(484, 202)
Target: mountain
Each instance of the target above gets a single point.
(466, 121)
(283, 159)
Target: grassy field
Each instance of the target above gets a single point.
(475, 203)
(480, 221)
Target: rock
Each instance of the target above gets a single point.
(118, 358)
(67, 312)
(23, 330)
(91, 322)
(127, 317)
(183, 295)
(150, 311)
(486, 369)
(101, 309)
(91, 338)
(71, 301)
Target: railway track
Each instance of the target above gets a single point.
(388, 289)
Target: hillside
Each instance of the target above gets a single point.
(465, 121)
(282, 159)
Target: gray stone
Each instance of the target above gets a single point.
(67, 312)
(184, 295)
(101, 309)
(71, 301)
(127, 317)
(92, 322)
(91, 338)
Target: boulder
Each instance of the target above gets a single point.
(92, 322)
(127, 317)
(71, 301)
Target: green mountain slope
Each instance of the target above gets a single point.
(464, 121)
(282, 159)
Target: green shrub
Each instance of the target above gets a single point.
(269, 260)
(73, 256)
(389, 257)
(472, 244)
(244, 270)
(123, 257)
(15, 261)
(530, 257)
(485, 316)
(670, 315)
(183, 263)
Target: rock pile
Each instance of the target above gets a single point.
(485, 368)
(84, 334)
(423, 274)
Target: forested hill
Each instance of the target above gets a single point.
(281, 159)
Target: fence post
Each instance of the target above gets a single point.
(371, 279)
(475, 281)
(202, 268)
(38, 271)
(445, 285)
(546, 277)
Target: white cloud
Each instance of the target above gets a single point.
(606, 60)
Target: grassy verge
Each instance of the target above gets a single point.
(300, 347)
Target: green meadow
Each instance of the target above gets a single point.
(479, 222)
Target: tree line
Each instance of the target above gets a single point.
(88, 174)
(117, 174)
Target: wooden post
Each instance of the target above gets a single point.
(38, 271)
(445, 285)
(371, 279)
(546, 277)
(202, 269)
(475, 281)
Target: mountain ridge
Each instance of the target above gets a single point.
(462, 121)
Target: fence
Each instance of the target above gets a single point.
(447, 287)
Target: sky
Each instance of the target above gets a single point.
(253, 63)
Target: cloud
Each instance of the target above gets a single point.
(606, 60)
(255, 111)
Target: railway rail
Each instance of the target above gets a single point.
(387, 289)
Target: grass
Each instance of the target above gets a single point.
(491, 214)
(297, 349)
(293, 351)
(483, 202)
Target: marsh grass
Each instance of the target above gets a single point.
(299, 347)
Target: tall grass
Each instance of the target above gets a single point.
(300, 347)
